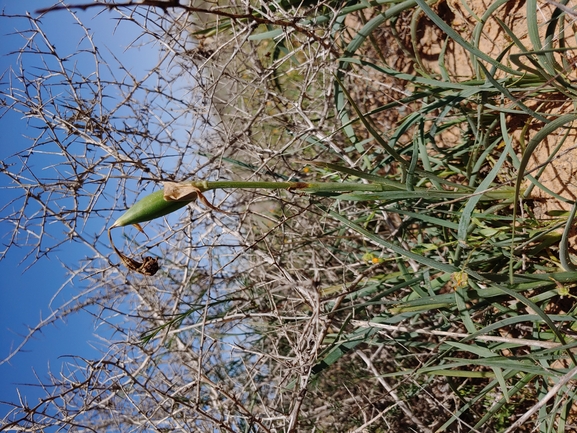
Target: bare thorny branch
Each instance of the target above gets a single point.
(253, 17)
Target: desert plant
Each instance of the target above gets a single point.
(413, 285)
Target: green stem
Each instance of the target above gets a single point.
(503, 193)
(564, 245)
(303, 186)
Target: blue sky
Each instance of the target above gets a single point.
(26, 293)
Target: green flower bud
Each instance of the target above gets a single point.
(148, 208)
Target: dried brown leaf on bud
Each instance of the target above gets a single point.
(175, 191)
(185, 192)
(149, 265)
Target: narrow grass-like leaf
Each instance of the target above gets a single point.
(481, 352)
(457, 38)
(433, 264)
(271, 34)
(422, 216)
(525, 366)
(358, 173)
(483, 186)
(343, 347)
(495, 408)
(508, 94)
(370, 128)
(479, 27)
(548, 129)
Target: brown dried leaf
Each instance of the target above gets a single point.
(174, 191)
(149, 265)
